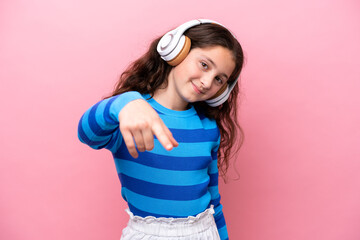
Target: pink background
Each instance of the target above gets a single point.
(299, 166)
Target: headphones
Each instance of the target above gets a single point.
(174, 46)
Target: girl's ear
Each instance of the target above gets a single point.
(182, 54)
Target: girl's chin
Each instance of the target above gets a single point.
(192, 99)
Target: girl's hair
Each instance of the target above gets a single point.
(150, 72)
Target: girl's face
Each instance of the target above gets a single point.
(201, 74)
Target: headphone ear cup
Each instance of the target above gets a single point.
(221, 91)
(220, 97)
(182, 54)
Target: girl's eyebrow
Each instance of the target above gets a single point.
(212, 62)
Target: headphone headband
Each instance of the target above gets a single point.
(174, 46)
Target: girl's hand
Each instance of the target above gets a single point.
(139, 122)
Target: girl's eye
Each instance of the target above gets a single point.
(204, 65)
(219, 80)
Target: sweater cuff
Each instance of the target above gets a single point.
(120, 101)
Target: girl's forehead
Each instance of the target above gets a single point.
(214, 51)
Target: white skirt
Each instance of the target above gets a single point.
(201, 227)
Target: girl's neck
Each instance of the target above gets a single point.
(167, 97)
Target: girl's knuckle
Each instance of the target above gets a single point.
(143, 125)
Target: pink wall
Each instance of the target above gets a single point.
(299, 165)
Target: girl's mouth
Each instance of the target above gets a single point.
(196, 89)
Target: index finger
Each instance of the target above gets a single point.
(171, 137)
(159, 130)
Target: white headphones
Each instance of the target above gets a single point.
(174, 46)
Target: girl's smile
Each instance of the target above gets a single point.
(197, 89)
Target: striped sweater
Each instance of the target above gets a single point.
(178, 183)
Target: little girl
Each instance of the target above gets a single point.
(170, 124)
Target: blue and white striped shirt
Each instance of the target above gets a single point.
(178, 183)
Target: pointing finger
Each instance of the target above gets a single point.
(161, 135)
(170, 136)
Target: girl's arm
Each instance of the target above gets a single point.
(100, 127)
(215, 196)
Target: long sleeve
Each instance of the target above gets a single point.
(215, 196)
(99, 125)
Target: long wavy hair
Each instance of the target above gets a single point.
(149, 72)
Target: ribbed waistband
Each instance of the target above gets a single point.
(172, 226)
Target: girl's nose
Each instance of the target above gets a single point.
(206, 81)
